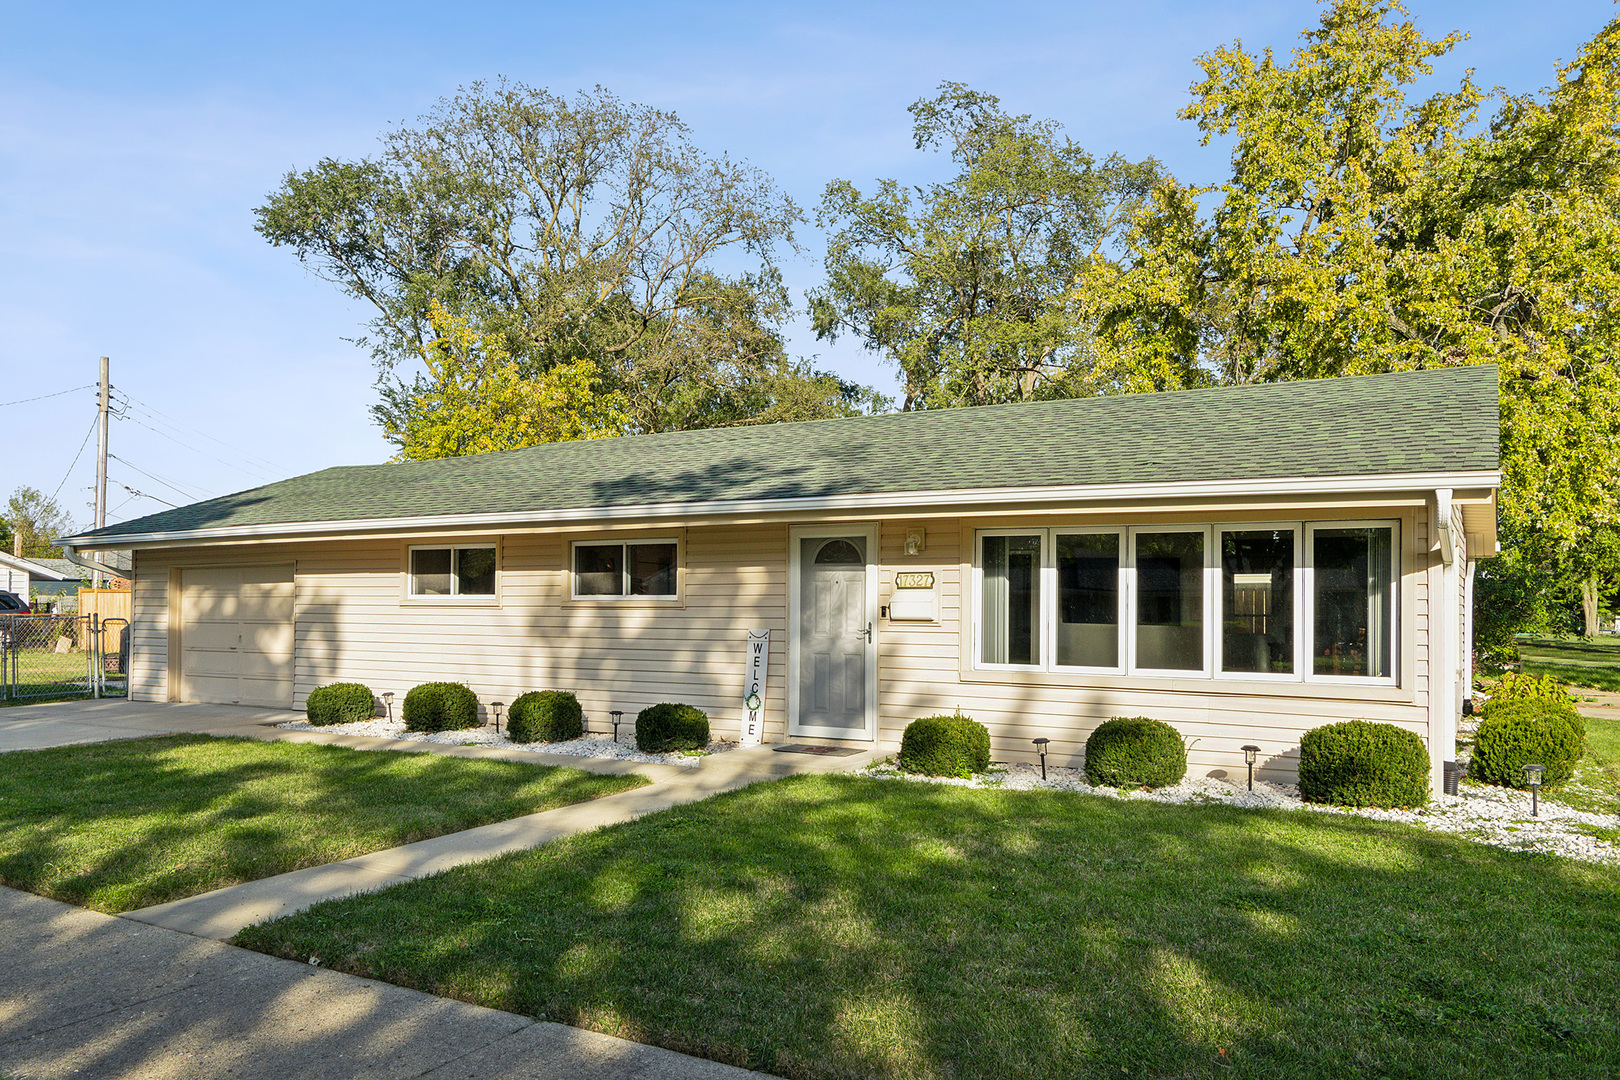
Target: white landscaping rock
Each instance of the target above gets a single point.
(485, 736)
(1487, 815)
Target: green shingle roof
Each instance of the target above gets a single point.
(1434, 421)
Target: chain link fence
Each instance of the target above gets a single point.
(54, 656)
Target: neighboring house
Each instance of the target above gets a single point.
(47, 577)
(1245, 563)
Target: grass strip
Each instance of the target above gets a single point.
(832, 927)
(122, 825)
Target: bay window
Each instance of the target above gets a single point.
(1290, 602)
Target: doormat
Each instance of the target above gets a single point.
(824, 751)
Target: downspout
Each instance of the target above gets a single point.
(1468, 638)
(72, 556)
(1443, 650)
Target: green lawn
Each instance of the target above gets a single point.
(121, 825)
(852, 927)
(1576, 661)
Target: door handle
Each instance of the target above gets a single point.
(867, 633)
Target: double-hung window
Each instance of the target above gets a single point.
(1282, 602)
(447, 572)
(635, 568)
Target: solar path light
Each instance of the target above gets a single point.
(497, 706)
(1040, 744)
(1532, 773)
(1250, 753)
(388, 703)
(618, 718)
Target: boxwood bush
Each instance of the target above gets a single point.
(1516, 733)
(340, 703)
(1362, 763)
(670, 726)
(545, 716)
(440, 706)
(1135, 751)
(945, 746)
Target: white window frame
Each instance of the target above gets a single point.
(1301, 653)
(1208, 600)
(1394, 614)
(1122, 608)
(626, 596)
(452, 597)
(1048, 574)
(1304, 612)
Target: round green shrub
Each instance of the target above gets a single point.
(1517, 733)
(340, 703)
(1362, 763)
(945, 746)
(1135, 751)
(545, 716)
(440, 706)
(666, 727)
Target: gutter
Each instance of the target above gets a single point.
(887, 501)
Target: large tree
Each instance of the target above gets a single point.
(576, 231)
(33, 521)
(967, 286)
(1360, 232)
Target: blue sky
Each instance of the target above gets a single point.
(135, 141)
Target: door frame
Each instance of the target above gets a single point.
(797, 534)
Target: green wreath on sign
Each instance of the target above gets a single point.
(752, 701)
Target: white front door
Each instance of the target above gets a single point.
(833, 666)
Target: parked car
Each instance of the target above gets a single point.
(12, 604)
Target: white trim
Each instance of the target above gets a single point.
(795, 568)
(34, 569)
(1301, 656)
(1206, 647)
(1188, 489)
(1394, 677)
(1121, 604)
(489, 599)
(1048, 647)
(673, 597)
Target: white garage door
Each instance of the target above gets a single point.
(236, 635)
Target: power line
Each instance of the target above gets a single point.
(141, 495)
(42, 397)
(170, 484)
(256, 474)
(169, 421)
(76, 457)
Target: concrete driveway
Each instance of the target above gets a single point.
(64, 723)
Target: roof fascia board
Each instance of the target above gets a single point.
(969, 497)
(32, 568)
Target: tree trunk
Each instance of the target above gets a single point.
(1589, 605)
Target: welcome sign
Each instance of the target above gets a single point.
(757, 665)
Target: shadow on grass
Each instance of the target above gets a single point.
(841, 927)
(117, 826)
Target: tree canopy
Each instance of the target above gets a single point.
(968, 286)
(33, 520)
(1360, 232)
(587, 235)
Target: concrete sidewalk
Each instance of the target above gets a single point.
(93, 996)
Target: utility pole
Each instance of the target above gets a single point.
(101, 456)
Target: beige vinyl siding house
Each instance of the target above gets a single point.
(1245, 564)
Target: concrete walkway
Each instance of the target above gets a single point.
(92, 996)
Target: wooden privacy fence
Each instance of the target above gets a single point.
(107, 603)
